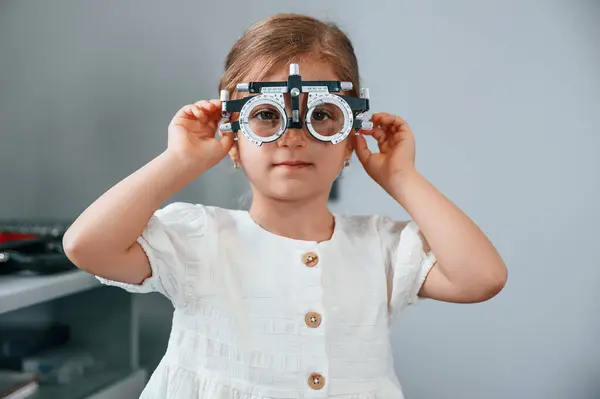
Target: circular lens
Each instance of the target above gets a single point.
(262, 118)
(327, 119)
(265, 120)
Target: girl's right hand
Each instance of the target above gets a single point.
(192, 135)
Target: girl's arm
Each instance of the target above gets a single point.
(103, 239)
(468, 268)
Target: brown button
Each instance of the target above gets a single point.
(316, 381)
(310, 259)
(313, 320)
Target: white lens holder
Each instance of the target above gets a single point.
(317, 99)
(275, 100)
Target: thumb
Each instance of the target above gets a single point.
(362, 149)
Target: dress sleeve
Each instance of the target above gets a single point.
(408, 262)
(164, 241)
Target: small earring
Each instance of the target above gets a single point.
(346, 163)
(236, 165)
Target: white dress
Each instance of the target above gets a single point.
(260, 316)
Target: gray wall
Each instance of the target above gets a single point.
(504, 100)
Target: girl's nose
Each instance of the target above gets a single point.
(293, 138)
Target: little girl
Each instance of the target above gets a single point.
(286, 300)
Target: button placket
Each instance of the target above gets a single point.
(315, 360)
(313, 318)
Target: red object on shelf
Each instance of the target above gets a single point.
(10, 237)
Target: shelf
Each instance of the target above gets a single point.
(17, 292)
(122, 384)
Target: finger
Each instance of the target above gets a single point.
(377, 117)
(382, 138)
(382, 115)
(395, 138)
(361, 148)
(391, 139)
(206, 112)
(227, 142)
(382, 119)
(199, 113)
(212, 125)
(386, 120)
(211, 108)
(217, 103)
(186, 113)
(401, 120)
(379, 134)
(398, 124)
(383, 123)
(204, 104)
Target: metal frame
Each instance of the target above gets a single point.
(272, 93)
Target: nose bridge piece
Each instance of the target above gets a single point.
(295, 117)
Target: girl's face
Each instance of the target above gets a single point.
(296, 166)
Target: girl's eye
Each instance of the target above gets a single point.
(265, 114)
(320, 115)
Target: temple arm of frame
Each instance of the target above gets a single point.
(357, 104)
(234, 105)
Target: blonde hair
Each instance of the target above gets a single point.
(283, 39)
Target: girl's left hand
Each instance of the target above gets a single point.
(396, 155)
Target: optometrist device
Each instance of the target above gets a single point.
(263, 119)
